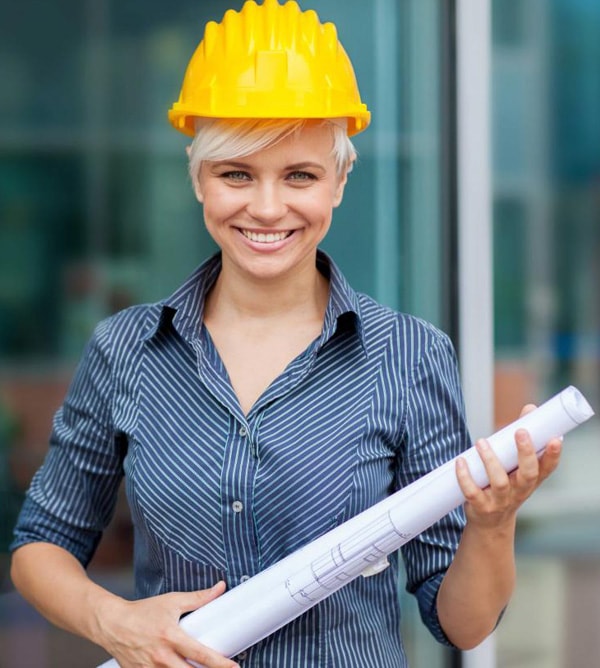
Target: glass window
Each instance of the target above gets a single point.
(509, 252)
(508, 22)
(40, 206)
(547, 245)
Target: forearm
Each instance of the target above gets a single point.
(140, 633)
(478, 584)
(56, 584)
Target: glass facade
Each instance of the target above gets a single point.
(546, 106)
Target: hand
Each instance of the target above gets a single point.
(498, 503)
(146, 633)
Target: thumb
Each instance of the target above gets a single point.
(196, 599)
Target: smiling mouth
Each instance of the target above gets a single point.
(266, 238)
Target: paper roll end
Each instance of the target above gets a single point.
(576, 405)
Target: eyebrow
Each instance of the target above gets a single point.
(295, 166)
(306, 165)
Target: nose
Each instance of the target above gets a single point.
(267, 204)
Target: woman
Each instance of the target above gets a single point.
(265, 401)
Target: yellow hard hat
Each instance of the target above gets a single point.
(269, 61)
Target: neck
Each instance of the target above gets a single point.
(237, 296)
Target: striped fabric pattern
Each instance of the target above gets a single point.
(370, 406)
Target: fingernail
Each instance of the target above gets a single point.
(521, 436)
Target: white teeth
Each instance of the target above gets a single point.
(262, 238)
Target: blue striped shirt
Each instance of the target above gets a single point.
(370, 406)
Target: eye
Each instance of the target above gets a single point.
(236, 175)
(301, 176)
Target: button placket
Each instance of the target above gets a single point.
(239, 535)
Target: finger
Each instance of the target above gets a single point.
(528, 471)
(207, 658)
(498, 477)
(177, 647)
(166, 657)
(200, 654)
(527, 409)
(190, 648)
(189, 601)
(550, 459)
(470, 489)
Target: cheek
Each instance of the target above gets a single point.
(319, 214)
(212, 214)
(318, 206)
(219, 205)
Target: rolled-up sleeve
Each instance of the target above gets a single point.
(72, 496)
(436, 432)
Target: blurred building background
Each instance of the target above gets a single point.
(97, 212)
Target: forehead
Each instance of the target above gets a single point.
(317, 139)
(311, 142)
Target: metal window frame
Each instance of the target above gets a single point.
(475, 304)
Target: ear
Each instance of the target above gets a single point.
(198, 189)
(195, 179)
(338, 194)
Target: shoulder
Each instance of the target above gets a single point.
(407, 335)
(130, 324)
(122, 333)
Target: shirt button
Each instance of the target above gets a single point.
(237, 506)
(244, 578)
(243, 432)
(242, 655)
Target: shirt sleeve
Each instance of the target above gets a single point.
(73, 495)
(435, 432)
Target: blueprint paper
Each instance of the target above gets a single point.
(266, 602)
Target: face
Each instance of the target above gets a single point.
(269, 211)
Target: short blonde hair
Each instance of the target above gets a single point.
(226, 139)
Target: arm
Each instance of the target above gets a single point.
(70, 501)
(481, 578)
(140, 633)
(435, 431)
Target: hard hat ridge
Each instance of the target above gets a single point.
(269, 61)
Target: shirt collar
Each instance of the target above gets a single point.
(184, 309)
(343, 310)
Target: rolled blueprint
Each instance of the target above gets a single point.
(266, 602)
